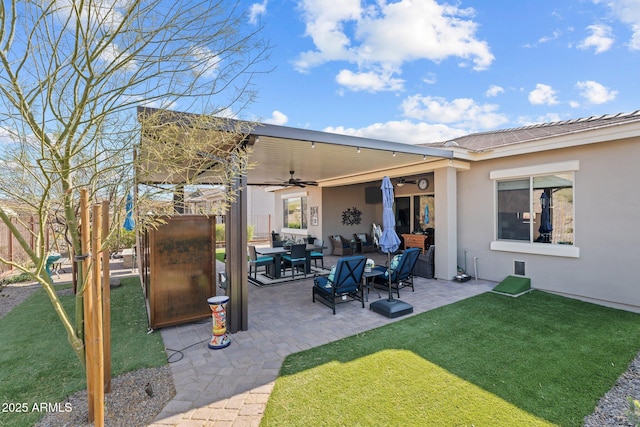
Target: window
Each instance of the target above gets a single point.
(535, 209)
(295, 212)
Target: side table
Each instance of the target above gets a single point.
(367, 276)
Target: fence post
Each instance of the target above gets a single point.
(94, 329)
(106, 300)
(85, 236)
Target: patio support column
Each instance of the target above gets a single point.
(236, 264)
(446, 235)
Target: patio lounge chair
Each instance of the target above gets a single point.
(341, 246)
(401, 270)
(345, 281)
(258, 261)
(364, 242)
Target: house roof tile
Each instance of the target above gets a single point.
(504, 137)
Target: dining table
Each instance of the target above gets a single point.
(274, 270)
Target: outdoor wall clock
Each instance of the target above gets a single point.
(351, 216)
(423, 184)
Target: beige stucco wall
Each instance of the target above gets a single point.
(607, 208)
(336, 200)
(332, 201)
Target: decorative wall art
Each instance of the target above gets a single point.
(351, 216)
(313, 210)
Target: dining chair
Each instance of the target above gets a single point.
(297, 257)
(258, 261)
(318, 255)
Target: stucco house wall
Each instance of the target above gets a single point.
(336, 200)
(606, 208)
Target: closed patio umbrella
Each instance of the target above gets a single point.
(129, 223)
(389, 242)
(545, 218)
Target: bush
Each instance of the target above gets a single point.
(121, 239)
(220, 232)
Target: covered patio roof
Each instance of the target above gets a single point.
(328, 158)
(332, 159)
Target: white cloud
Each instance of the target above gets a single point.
(628, 12)
(107, 13)
(384, 36)
(462, 112)
(403, 131)
(493, 91)
(160, 103)
(257, 10)
(543, 95)
(600, 38)
(430, 78)
(634, 43)
(555, 35)
(205, 61)
(7, 136)
(547, 118)
(595, 93)
(369, 81)
(277, 118)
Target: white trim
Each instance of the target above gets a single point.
(548, 249)
(543, 169)
(296, 231)
(294, 195)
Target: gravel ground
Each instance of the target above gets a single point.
(129, 404)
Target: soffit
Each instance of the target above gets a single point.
(330, 164)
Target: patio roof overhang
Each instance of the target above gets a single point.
(330, 159)
(333, 159)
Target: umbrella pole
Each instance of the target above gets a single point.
(389, 271)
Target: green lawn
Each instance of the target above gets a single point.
(491, 360)
(220, 253)
(37, 363)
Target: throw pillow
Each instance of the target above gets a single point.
(395, 262)
(330, 277)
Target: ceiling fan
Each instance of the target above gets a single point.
(295, 182)
(402, 181)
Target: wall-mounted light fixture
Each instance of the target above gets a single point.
(394, 154)
(358, 150)
(313, 144)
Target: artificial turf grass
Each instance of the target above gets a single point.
(549, 357)
(38, 364)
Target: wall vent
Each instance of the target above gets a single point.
(518, 268)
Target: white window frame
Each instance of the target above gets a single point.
(569, 251)
(297, 231)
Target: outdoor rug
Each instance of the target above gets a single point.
(513, 286)
(264, 280)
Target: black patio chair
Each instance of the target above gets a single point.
(345, 281)
(400, 269)
(297, 257)
(258, 261)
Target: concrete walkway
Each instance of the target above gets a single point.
(231, 386)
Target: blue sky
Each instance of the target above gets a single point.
(426, 71)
